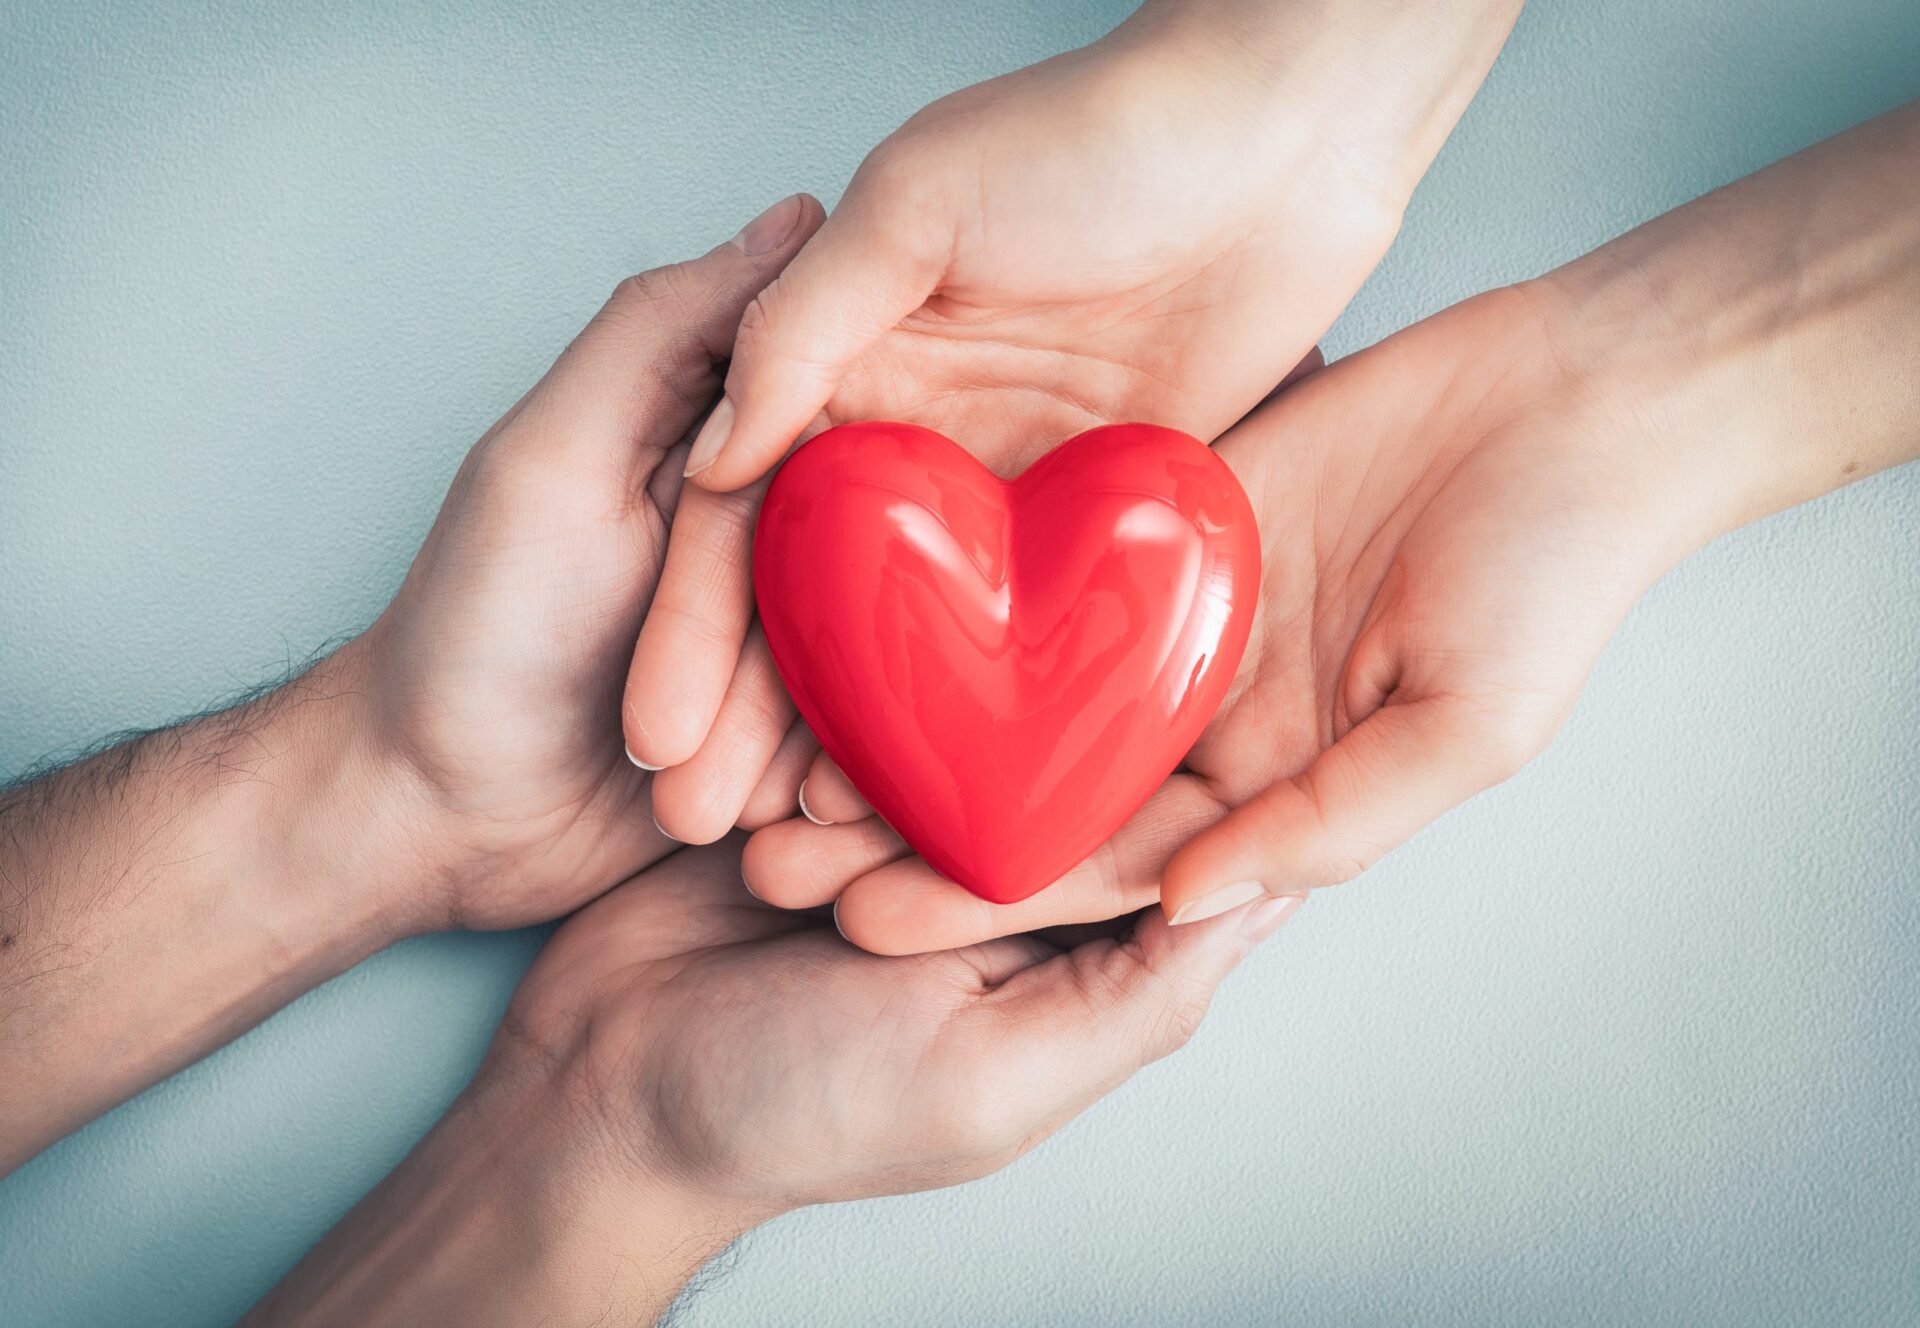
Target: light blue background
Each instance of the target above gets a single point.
(1631, 1039)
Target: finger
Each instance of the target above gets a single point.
(905, 907)
(1067, 1031)
(695, 628)
(1397, 770)
(699, 800)
(874, 262)
(797, 864)
(691, 900)
(777, 796)
(645, 366)
(828, 797)
(996, 962)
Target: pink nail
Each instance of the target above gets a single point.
(770, 229)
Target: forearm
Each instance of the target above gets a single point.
(1764, 338)
(1384, 81)
(503, 1216)
(161, 897)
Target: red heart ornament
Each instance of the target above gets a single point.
(1006, 670)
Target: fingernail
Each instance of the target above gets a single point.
(836, 923)
(1217, 901)
(807, 811)
(770, 229)
(642, 764)
(663, 830)
(1266, 918)
(712, 437)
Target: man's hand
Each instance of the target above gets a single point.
(1454, 523)
(683, 1062)
(458, 765)
(494, 678)
(1154, 228)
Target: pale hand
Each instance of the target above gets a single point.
(1446, 551)
(1127, 232)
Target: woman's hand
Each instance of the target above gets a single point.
(1153, 228)
(683, 1062)
(1442, 564)
(1454, 523)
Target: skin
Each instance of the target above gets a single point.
(1153, 228)
(655, 1089)
(683, 1063)
(455, 766)
(1454, 523)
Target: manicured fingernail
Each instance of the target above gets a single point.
(1217, 901)
(712, 437)
(807, 811)
(663, 830)
(836, 923)
(642, 764)
(770, 229)
(1269, 916)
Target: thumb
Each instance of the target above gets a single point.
(1402, 767)
(634, 379)
(874, 262)
(1070, 1030)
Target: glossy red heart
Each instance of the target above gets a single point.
(1006, 670)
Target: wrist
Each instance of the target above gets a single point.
(1379, 84)
(1544, 371)
(1757, 342)
(512, 1210)
(344, 836)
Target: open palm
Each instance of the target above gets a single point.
(1445, 556)
(1083, 242)
(753, 1055)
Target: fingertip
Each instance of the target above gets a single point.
(831, 798)
(684, 811)
(860, 926)
(807, 811)
(647, 747)
(776, 796)
(1228, 864)
(714, 434)
(736, 452)
(1214, 901)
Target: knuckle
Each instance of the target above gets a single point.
(1180, 1020)
(970, 1125)
(661, 292)
(757, 322)
(1348, 865)
(1508, 739)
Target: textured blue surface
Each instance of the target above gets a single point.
(1632, 1039)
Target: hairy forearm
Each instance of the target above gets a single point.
(1384, 80)
(505, 1214)
(162, 896)
(1762, 339)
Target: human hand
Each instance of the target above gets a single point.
(454, 766)
(493, 679)
(1441, 566)
(1454, 522)
(1153, 228)
(683, 1062)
